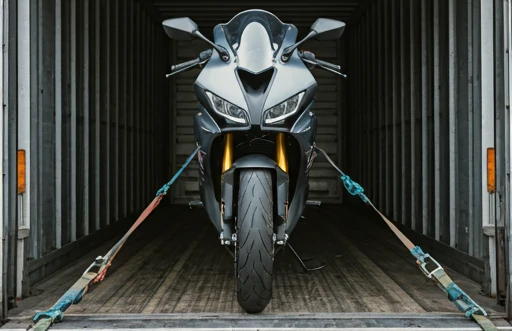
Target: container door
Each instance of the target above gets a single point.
(508, 147)
(24, 138)
(3, 126)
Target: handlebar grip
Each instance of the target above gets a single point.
(328, 65)
(311, 62)
(310, 56)
(185, 65)
(307, 55)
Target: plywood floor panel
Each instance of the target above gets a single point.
(175, 264)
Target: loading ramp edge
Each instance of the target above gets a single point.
(334, 321)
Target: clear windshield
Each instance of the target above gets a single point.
(255, 36)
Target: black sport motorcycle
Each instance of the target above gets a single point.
(257, 135)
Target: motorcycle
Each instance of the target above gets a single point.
(256, 133)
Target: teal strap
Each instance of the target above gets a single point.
(74, 295)
(485, 323)
(44, 320)
(455, 294)
(165, 188)
(351, 186)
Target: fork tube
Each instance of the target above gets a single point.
(281, 158)
(227, 161)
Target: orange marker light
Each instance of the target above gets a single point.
(21, 172)
(491, 170)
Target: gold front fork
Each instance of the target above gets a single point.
(281, 158)
(227, 160)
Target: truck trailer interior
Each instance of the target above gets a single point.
(92, 128)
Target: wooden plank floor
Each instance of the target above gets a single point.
(175, 264)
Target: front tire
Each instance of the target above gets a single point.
(255, 246)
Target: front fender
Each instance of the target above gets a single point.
(254, 161)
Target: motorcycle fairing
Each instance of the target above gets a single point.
(224, 80)
(206, 130)
(287, 80)
(255, 53)
(219, 77)
(292, 77)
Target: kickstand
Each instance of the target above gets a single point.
(302, 261)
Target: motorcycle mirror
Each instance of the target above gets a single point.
(182, 28)
(322, 29)
(327, 29)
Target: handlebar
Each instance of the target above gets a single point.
(328, 65)
(305, 56)
(310, 58)
(204, 56)
(185, 65)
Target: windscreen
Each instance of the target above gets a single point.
(255, 36)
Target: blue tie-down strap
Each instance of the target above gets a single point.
(165, 188)
(72, 296)
(455, 293)
(417, 252)
(55, 315)
(353, 188)
(463, 301)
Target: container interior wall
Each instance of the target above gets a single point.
(106, 128)
(414, 125)
(98, 127)
(506, 144)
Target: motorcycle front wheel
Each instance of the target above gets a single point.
(255, 246)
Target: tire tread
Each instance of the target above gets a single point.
(255, 253)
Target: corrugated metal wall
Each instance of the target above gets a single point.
(97, 118)
(412, 122)
(506, 144)
(324, 183)
(416, 121)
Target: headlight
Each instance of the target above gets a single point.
(228, 110)
(284, 109)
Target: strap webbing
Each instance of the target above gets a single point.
(484, 322)
(407, 243)
(97, 270)
(75, 293)
(438, 275)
